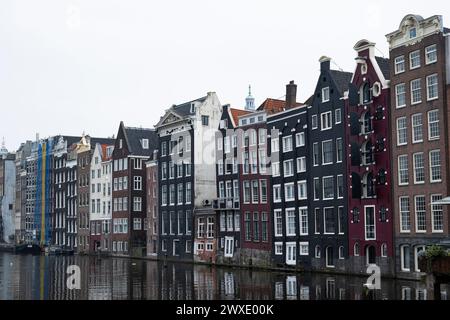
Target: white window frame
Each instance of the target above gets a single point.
(305, 186)
(301, 165)
(303, 245)
(399, 106)
(338, 119)
(404, 129)
(291, 248)
(399, 61)
(400, 183)
(286, 185)
(300, 139)
(428, 87)
(415, 167)
(427, 61)
(277, 200)
(328, 116)
(303, 220)
(415, 126)
(325, 94)
(431, 167)
(323, 188)
(286, 174)
(430, 138)
(323, 153)
(294, 233)
(374, 223)
(416, 216)
(286, 145)
(278, 245)
(411, 67)
(278, 222)
(433, 222)
(412, 91)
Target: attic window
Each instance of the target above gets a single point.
(144, 143)
(412, 33)
(192, 107)
(120, 143)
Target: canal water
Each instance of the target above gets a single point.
(27, 277)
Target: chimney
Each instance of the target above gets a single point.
(324, 63)
(291, 95)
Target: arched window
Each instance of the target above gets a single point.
(368, 186)
(366, 93)
(367, 149)
(356, 249)
(366, 121)
(341, 253)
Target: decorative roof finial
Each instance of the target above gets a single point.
(250, 101)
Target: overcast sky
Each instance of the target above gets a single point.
(68, 66)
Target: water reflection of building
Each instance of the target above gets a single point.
(177, 282)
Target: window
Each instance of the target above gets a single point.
(399, 64)
(210, 228)
(222, 222)
(417, 128)
(275, 144)
(255, 226)
(264, 226)
(317, 221)
(188, 222)
(339, 150)
(180, 170)
(432, 87)
(137, 183)
(338, 116)
(301, 165)
(302, 193)
(164, 171)
(328, 221)
(171, 170)
(237, 222)
(400, 95)
(304, 248)
(278, 223)
(248, 226)
(247, 192)
(254, 161)
(435, 166)
(303, 221)
(405, 223)
(437, 214)
(341, 220)
(291, 256)
(430, 54)
(420, 208)
(288, 168)
(263, 191)
(262, 136)
(180, 194)
(172, 194)
(403, 174)
(316, 189)
(137, 163)
(262, 160)
(188, 148)
(326, 121)
(188, 193)
(433, 125)
(325, 94)
(300, 139)
(356, 250)
(341, 253)
(327, 152)
(220, 144)
(370, 223)
(317, 252)
(289, 193)
(412, 33)
(316, 154)
(416, 91)
(276, 193)
(205, 120)
(220, 167)
(163, 148)
(226, 144)
(340, 186)
(402, 132)
(287, 144)
(137, 204)
(278, 248)
(255, 191)
(229, 189)
(419, 168)
(137, 224)
(328, 188)
(275, 169)
(290, 222)
(314, 122)
(405, 257)
(163, 195)
(414, 59)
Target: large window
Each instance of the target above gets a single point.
(328, 188)
(420, 208)
(287, 144)
(399, 64)
(433, 125)
(278, 223)
(403, 174)
(302, 192)
(370, 223)
(417, 127)
(326, 120)
(290, 222)
(288, 168)
(416, 91)
(247, 192)
(405, 221)
(419, 168)
(400, 95)
(402, 131)
(300, 139)
(432, 87)
(327, 152)
(303, 215)
(248, 226)
(431, 54)
(405, 258)
(301, 165)
(414, 59)
(289, 193)
(437, 216)
(435, 166)
(329, 221)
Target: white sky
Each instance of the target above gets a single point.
(68, 66)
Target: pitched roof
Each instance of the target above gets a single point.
(134, 138)
(236, 113)
(341, 80)
(184, 109)
(384, 66)
(272, 106)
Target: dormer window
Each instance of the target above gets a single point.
(325, 94)
(120, 143)
(412, 32)
(192, 107)
(144, 143)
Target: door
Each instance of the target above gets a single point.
(329, 257)
(229, 247)
(417, 251)
(371, 255)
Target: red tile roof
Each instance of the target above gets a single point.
(272, 106)
(236, 113)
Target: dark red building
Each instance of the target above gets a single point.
(369, 163)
